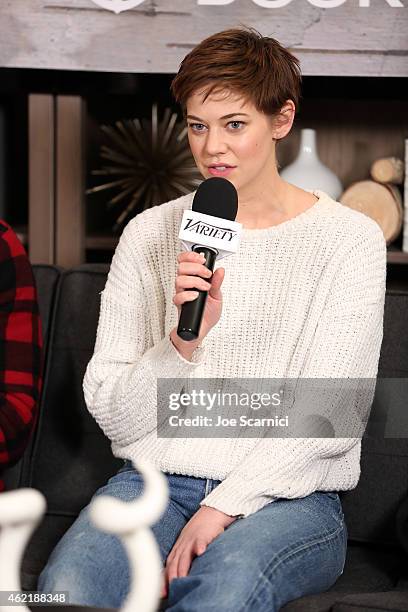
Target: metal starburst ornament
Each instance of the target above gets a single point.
(152, 160)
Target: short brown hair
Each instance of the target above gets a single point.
(242, 60)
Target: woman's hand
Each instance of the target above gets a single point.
(191, 273)
(206, 524)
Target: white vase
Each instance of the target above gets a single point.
(308, 172)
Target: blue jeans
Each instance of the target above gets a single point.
(289, 548)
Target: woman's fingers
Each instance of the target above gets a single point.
(184, 296)
(172, 570)
(194, 268)
(216, 283)
(184, 563)
(191, 274)
(164, 584)
(188, 282)
(190, 256)
(191, 278)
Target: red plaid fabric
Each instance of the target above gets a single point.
(21, 357)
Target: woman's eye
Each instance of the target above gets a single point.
(235, 124)
(196, 126)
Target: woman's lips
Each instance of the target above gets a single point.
(218, 172)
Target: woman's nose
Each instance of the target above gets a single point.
(215, 143)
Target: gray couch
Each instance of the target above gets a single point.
(69, 457)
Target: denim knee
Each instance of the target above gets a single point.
(55, 578)
(82, 587)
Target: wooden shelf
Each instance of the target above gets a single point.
(396, 256)
(102, 242)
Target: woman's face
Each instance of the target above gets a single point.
(227, 131)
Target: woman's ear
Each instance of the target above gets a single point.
(284, 120)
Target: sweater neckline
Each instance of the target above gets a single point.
(249, 235)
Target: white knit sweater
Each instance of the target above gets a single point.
(304, 298)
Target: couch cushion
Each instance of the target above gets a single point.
(71, 456)
(394, 349)
(371, 507)
(46, 279)
(391, 601)
(71, 453)
(368, 568)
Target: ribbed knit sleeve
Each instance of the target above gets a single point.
(120, 381)
(346, 344)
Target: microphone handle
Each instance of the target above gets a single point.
(192, 312)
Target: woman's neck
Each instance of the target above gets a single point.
(274, 204)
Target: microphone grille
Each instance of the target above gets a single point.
(218, 197)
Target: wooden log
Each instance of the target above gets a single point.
(388, 170)
(383, 203)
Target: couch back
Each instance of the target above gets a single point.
(370, 509)
(69, 456)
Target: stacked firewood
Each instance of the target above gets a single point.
(380, 197)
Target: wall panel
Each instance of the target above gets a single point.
(155, 36)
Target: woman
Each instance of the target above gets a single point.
(252, 523)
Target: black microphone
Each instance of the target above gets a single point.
(216, 197)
